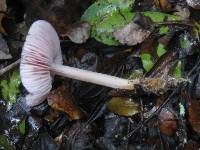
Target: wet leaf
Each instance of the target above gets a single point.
(161, 17)
(178, 70)
(160, 49)
(105, 17)
(123, 106)
(104, 8)
(10, 88)
(184, 42)
(163, 29)
(61, 99)
(168, 124)
(22, 126)
(147, 61)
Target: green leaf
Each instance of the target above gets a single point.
(106, 16)
(4, 144)
(123, 106)
(163, 29)
(161, 17)
(22, 126)
(178, 70)
(147, 61)
(5, 89)
(184, 42)
(10, 89)
(160, 49)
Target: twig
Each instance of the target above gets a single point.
(9, 67)
(173, 23)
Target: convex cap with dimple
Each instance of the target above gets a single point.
(40, 50)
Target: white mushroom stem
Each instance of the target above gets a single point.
(93, 77)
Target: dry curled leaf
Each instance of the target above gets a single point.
(79, 33)
(168, 124)
(131, 34)
(60, 99)
(123, 106)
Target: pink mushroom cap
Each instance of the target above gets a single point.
(40, 50)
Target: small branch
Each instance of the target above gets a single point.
(173, 23)
(9, 67)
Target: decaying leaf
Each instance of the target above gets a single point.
(61, 99)
(123, 106)
(194, 114)
(168, 124)
(3, 6)
(131, 34)
(4, 50)
(163, 4)
(183, 12)
(79, 33)
(2, 15)
(191, 145)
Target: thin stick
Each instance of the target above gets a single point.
(9, 67)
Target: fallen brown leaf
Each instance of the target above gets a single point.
(168, 124)
(2, 15)
(123, 106)
(79, 32)
(61, 99)
(131, 34)
(194, 114)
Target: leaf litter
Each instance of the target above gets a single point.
(160, 39)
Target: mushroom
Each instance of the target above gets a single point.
(41, 59)
(194, 3)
